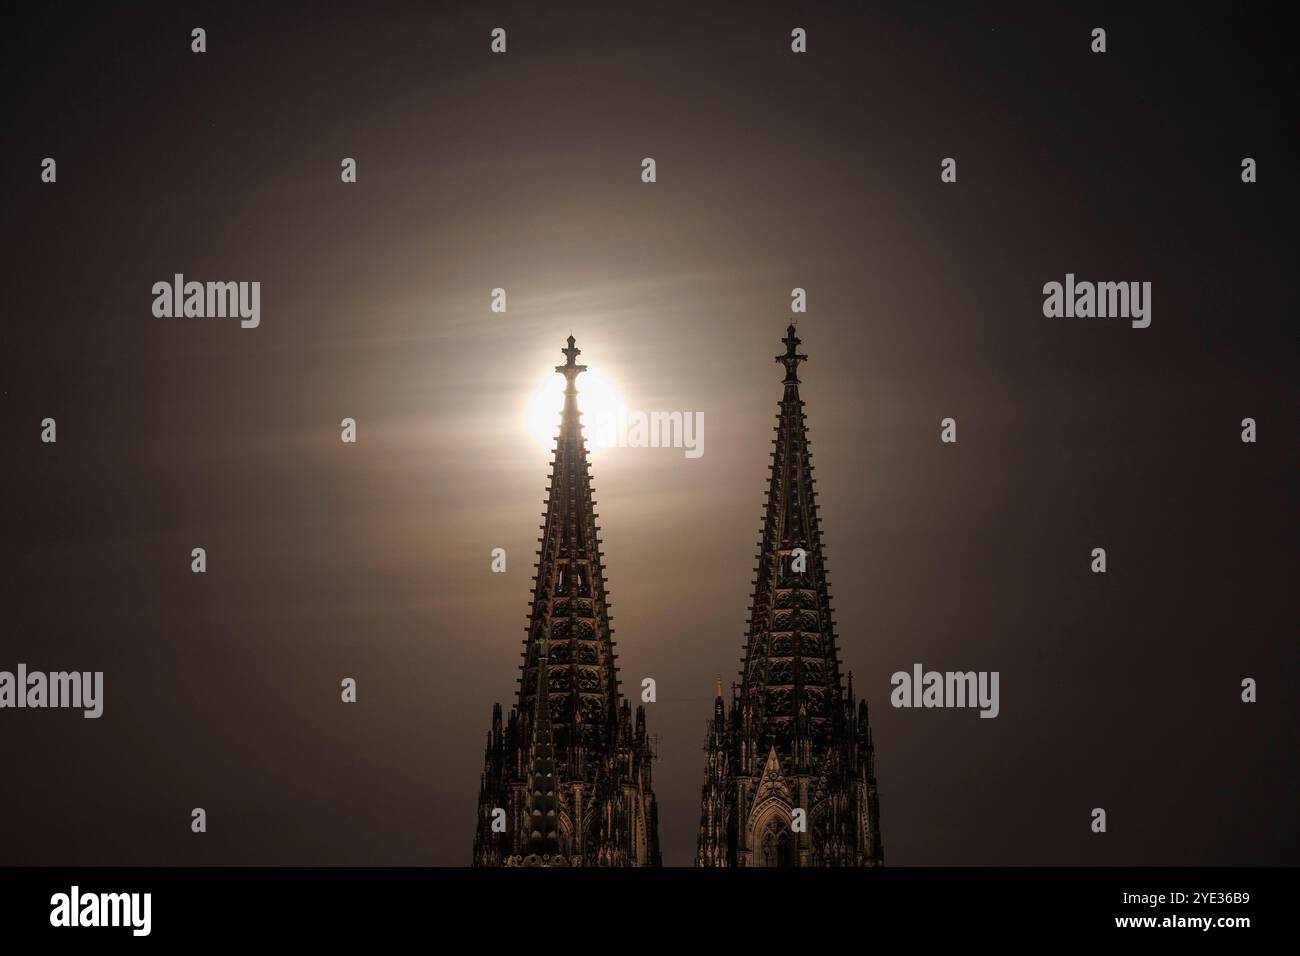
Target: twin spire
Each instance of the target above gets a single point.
(543, 839)
(570, 770)
(793, 741)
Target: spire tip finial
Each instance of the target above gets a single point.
(571, 369)
(792, 356)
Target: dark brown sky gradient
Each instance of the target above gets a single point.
(522, 171)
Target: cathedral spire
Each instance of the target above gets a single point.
(573, 783)
(792, 699)
(792, 659)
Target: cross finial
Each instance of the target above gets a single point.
(571, 369)
(792, 356)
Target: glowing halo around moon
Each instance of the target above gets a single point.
(598, 399)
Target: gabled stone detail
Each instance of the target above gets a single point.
(772, 783)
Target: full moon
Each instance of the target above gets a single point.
(598, 399)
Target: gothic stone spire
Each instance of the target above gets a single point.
(791, 722)
(572, 768)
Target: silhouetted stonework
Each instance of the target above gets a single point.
(570, 766)
(793, 738)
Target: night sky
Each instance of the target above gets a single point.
(522, 171)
